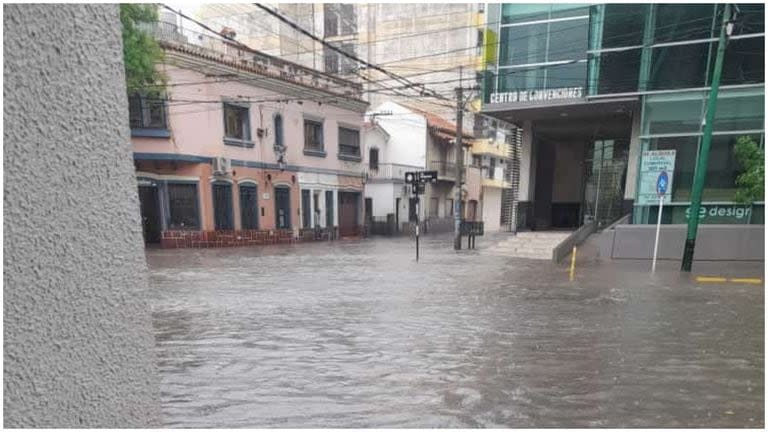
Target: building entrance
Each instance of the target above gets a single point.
(579, 171)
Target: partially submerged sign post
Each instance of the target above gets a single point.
(417, 180)
(656, 173)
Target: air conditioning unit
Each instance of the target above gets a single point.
(221, 166)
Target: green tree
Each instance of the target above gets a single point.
(141, 53)
(751, 180)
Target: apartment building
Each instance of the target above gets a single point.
(245, 148)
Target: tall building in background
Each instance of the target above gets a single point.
(438, 45)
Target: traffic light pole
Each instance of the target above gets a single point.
(417, 227)
(706, 141)
(459, 169)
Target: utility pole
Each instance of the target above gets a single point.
(703, 161)
(459, 168)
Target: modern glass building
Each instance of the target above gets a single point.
(593, 86)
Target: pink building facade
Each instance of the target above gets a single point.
(246, 149)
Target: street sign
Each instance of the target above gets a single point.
(659, 164)
(428, 176)
(653, 164)
(661, 184)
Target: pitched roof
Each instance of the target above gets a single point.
(443, 127)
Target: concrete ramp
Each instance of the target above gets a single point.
(531, 245)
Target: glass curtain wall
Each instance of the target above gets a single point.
(680, 44)
(540, 46)
(636, 47)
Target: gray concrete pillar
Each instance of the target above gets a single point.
(78, 346)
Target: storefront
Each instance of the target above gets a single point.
(672, 122)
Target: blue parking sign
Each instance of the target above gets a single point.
(661, 183)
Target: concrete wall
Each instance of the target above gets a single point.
(77, 330)
(492, 208)
(383, 197)
(714, 242)
(407, 135)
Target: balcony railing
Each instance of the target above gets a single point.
(391, 171)
(444, 169)
(490, 147)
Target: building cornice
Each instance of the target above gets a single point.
(289, 82)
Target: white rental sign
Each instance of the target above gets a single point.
(652, 166)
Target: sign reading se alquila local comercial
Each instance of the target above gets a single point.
(537, 95)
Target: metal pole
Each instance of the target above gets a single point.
(706, 141)
(658, 229)
(417, 227)
(459, 169)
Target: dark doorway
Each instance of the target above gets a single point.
(150, 213)
(545, 165)
(249, 206)
(369, 209)
(282, 208)
(348, 203)
(306, 209)
(222, 206)
(329, 209)
(397, 213)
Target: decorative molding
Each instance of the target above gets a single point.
(170, 157)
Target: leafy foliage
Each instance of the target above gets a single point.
(140, 50)
(751, 180)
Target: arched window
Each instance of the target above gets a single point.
(278, 131)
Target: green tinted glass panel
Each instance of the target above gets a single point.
(673, 114)
(521, 79)
(740, 110)
(680, 22)
(523, 44)
(565, 10)
(516, 13)
(619, 71)
(723, 168)
(568, 40)
(623, 25)
(744, 62)
(567, 75)
(751, 19)
(681, 66)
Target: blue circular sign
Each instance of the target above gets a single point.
(662, 183)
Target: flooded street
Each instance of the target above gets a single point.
(357, 334)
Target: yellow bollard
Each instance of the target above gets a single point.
(573, 263)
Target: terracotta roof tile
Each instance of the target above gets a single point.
(434, 121)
